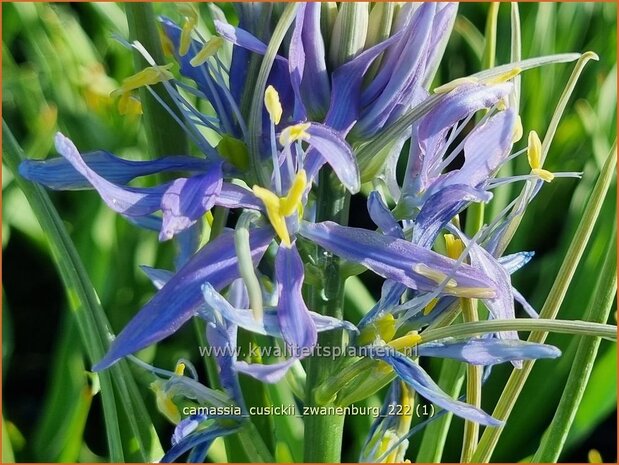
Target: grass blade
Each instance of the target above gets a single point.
(551, 307)
(598, 311)
(90, 317)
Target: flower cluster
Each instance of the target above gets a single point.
(325, 96)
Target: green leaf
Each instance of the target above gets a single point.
(91, 319)
(551, 307)
(598, 310)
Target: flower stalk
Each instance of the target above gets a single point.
(323, 434)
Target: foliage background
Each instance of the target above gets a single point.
(59, 64)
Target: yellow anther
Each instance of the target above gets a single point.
(437, 276)
(291, 202)
(180, 369)
(534, 151)
(517, 130)
(544, 175)
(594, 456)
(272, 104)
(190, 22)
(165, 404)
(147, 77)
(430, 306)
(454, 246)
(209, 49)
(534, 154)
(271, 202)
(294, 133)
(410, 339)
(504, 77)
(129, 105)
(278, 208)
(451, 85)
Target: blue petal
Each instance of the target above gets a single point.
(199, 438)
(515, 261)
(269, 324)
(441, 207)
(200, 74)
(297, 327)
(429, 136)
(392, 258)
(382, 216)
(126, 200)
(406, 74)
(187, 199)
(308, 69)
(181, 296)
(488, 351)
(59, 173)
(233, 196)
(266, 373)
(335, 150)
(412, 374)
(157, 276)
(346, 80)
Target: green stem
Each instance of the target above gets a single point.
(473, 388)
(598, 311)
(323, 434)
(551, 307)
(165, 136)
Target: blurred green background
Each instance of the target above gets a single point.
(59, 64)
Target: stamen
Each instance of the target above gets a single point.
(383, 327)
(273, 105)
(271, 202)
(278, 208)
(534, 154)
(191, 20)
(208, 50)
(147, 77)
(454, 246)
(411, 339)
(292, 201)
(294, 133)
(180, 369)
(517, 130)
(436, 276)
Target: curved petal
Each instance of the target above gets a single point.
(412, 374)
(59, 174)
(397, 259)
(382, 216)
(488, 351)
(335, 150)
(179, 299)
(187, 199)
(271, 373)
(297, 327)
(126, 200)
